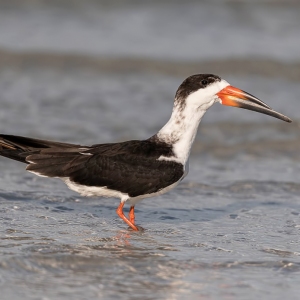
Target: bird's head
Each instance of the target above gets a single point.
(202, 90)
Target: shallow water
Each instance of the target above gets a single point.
(229, 230)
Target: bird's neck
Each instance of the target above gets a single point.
(180, 132)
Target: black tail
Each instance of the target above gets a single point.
(19, 147)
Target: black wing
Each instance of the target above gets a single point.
(135, 175)
(129, 167)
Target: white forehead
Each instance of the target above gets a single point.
(213, 88)
(206, 97)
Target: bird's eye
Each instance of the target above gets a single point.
(204, 82)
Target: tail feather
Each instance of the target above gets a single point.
(48, 159)
(46, 170)
(55, 166)
(19, 148)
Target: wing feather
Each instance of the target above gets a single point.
(130, 167)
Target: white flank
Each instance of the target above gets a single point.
(89, 191)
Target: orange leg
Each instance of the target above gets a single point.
(131, 214)
(122, 216)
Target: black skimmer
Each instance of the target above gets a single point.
(134, 170)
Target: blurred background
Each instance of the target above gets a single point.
(100, 71)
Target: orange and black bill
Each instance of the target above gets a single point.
(233, 96)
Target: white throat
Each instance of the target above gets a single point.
(181, 129)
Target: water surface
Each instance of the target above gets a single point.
(230, 229)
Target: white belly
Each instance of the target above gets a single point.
(89, 191)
